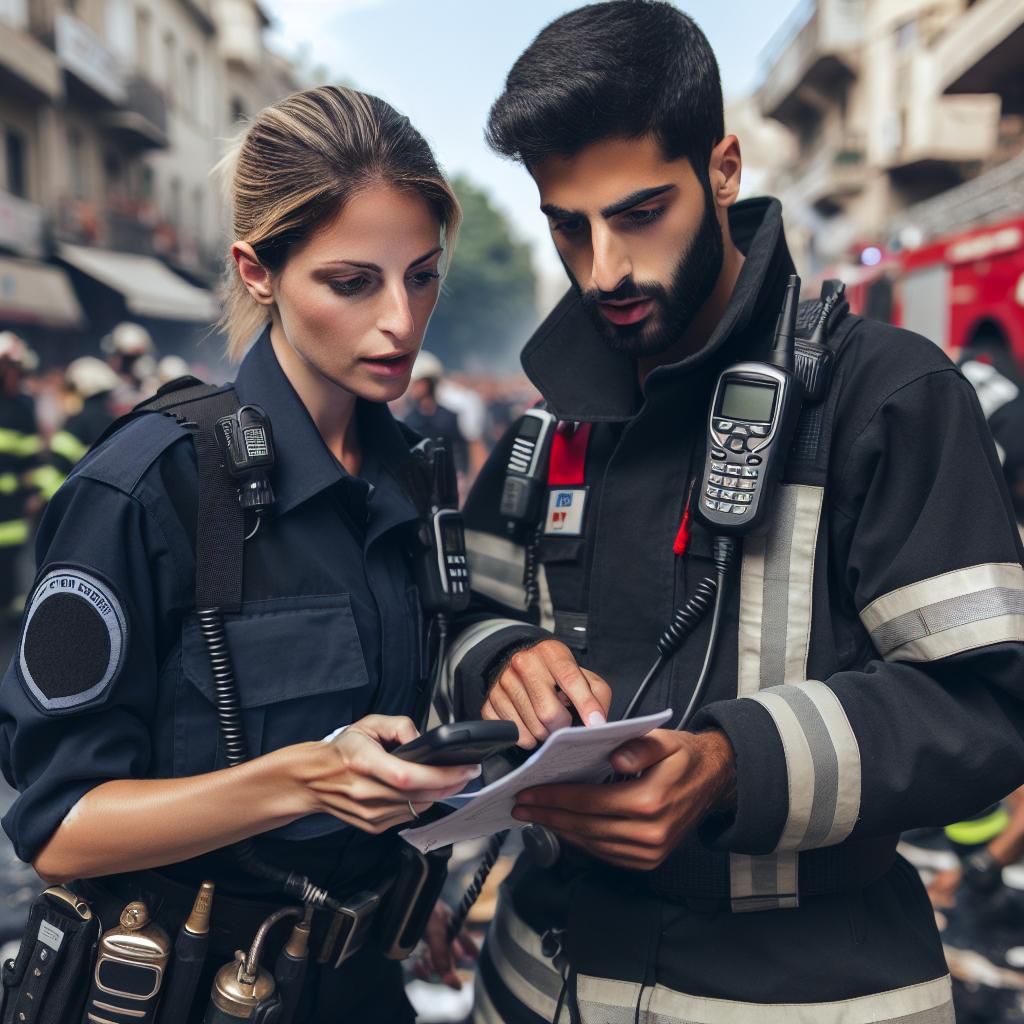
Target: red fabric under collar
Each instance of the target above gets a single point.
(568, 463)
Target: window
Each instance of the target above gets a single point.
(170, 66)
(237, 110)
(197, 212)
(174, 204)
(76, 164)
(192, 86)
(143, 39)
(17, 157)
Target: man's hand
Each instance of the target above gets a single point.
(639, 822)
(439, 956)
(533, 690)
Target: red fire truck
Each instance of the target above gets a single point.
(963, 289)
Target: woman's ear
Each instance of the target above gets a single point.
(724, 169)
(256, 278)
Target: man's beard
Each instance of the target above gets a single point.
(694, 280)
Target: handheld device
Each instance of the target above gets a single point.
(750, 426)
(247, 445)
(130, 968)
(526, 471)
(459, 743)
(441, 569)
(441, 565)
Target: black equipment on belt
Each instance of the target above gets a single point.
(47, 982)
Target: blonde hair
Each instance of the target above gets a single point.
(296, 166)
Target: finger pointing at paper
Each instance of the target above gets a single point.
(529, 691)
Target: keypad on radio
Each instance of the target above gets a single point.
(458, 573)
(731, 486)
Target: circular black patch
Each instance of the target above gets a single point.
(67, 646)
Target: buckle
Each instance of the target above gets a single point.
(351, 924)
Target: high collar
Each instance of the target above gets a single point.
(581, 378)
(304, 466)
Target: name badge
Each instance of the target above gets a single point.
(565, 511)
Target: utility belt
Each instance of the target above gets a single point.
(132, 949)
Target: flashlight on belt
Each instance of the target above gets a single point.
(190, 949)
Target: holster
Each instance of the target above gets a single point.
(411, 898)
(48, 981)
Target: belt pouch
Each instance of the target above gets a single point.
(47, 982)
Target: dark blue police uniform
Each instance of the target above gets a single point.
(111, 679)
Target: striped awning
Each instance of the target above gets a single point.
(33, 292)
(150, 288)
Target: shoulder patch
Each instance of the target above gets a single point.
(73, 640)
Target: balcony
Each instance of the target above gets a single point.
(27, 68)
(141, 121)
(22, 226)
(240, 25)
(91, 67)
(837, 171)
(805, 66)
(981, 52)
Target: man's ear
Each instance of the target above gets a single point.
(256, 278)
(724, 170)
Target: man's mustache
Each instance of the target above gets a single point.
(628, 289)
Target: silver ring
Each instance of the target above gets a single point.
(412, 810)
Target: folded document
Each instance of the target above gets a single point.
(576, 754)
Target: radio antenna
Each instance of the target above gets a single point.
(783, 346)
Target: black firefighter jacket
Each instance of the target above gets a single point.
(870, 669)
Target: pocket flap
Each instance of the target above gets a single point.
(282, 649)
(560, 549)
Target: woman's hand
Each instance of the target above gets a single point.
(439, 956)
(354, 778)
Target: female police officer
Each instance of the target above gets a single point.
(108, 723)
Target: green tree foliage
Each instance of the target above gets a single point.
(487, 309)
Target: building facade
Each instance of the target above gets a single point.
(891, 103)
(112, 115)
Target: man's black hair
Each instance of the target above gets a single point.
(622, 69)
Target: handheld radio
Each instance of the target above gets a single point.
(247, 445)
(526, 471)
(441, 566)
(750, 426)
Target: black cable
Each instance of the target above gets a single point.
(724, 552)
(684, 622)
(476, 886)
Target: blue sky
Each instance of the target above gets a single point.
(443, 62)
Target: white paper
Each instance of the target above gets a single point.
(576, 754)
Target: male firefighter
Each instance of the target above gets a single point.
(869, 670)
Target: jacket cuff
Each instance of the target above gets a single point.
(478, 651)
(798, 769)
(756, 823)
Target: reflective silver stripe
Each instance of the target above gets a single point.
(515, 950)
(496, 568)
(958, 611)
(547, 608)
(822, 764)
(776, 602)
(603, 1000)
(463, 644)
(768, 882)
